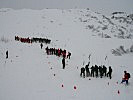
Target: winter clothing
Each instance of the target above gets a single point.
(63, 63)
(41, 45)
(110, 72)
(92, 71)
(87, 70)
(125, 78)
(96, 70)
(82, 72)
(69, 54)
(104, 70)
(6, 54)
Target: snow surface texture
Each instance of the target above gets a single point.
(30, 74)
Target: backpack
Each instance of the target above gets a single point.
(128, 75)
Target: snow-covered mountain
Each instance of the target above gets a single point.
(30, 74)
(119, 24)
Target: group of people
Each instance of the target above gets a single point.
(96, 71)
(28, 40)
(41, 40)
(85, 71)
(100, 71)
(58, 52)
(24, 40)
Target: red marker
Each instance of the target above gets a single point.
(118, 92)
(62, 85)
(75, 87)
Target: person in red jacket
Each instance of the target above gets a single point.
(125, 78)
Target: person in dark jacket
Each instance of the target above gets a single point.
(101, 71)
(47, 50)
(63, 62)
(41, 45)
(6, 54)
(104, 70)
(109, 74)
(96, 71)
(69, 54)
(92, 71)
(82, 72)
(87, 70)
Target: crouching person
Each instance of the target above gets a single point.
(126, 77)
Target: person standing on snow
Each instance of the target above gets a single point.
(110, 72)
(96, 71)
(82, 72)
(41, 45)
(101, 71)
(47, 50)
(104, 70)
(92, 71)
(6, 54)
(69, 54)
(63, 62)
(87, 70)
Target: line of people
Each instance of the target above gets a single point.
(41, 40)
(96, 71)
(28, 40)
(24, 40)
(58, 52)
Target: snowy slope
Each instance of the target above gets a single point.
(28, 74)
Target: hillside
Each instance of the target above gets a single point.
(30, 74)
